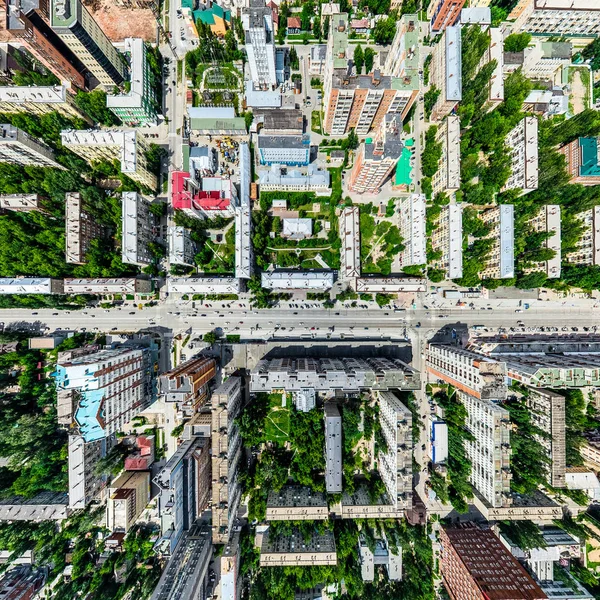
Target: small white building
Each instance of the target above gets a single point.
(31, 285)
(297, 229)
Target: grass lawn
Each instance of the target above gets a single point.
(277, 425)
(315, 121)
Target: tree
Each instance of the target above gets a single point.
(516, 42)
(430, 98)
(592, 53)
(359, 59)
(432, 153)
(210, 337)
(352, 140)
(308, 11)
(305, 38)
(325, 28)
(294, 61)
(369, 59)
(384, 31)
(317, 32)
(94, 105)
(532, 280)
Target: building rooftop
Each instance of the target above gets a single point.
(64, 13)
(279, 120)
(294, 280)
(314, 177)
(479, 15)
(453, 63)
(203, 285)
(52, 94)
(260, 98)
(25, 285)
(284, 141)
(507, 240)
(590, 157)
(339, 40)
(296, 496)
(297, 228)
(133, 98)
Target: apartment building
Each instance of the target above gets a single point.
(74, 25)
(412, 230)
(333, 448)
(500, 263)
(290, 150)
(447, 178)
(557, 17)
(143, 455)
(329, 374)
(40, 100)
(112, 387)
(85, 484)
(182, 248)
(360, 102)
(522, 144)
(260, 44)
(188, 384)
(403, 58)
(489, 452)
(395, 464)
(227, 402)
(81, 229)
(541, 60)
(590, 451)
(29, 23)
(128, 496)
(31, 285)
(115, 285)
(474, 374)
(295, 550)
(587, 250)
(443, 13)
(446, 72)
(383, 555)
(447, 238)
(548, 221)
(547, 411)
(22, 582)
(204, 285)
(297, 503)
(495, 51)
(297, 280)
(180, 497)
(349, 228)
(19, 148)
(474, 561)
(21, 202)
(137, 229)
(583, 160)
(390, 285)
(125, 145)
(276, 179)
(139, 105)
(377, 157)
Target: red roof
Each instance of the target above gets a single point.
(180, 197)
(359, 23)
(137, 463)
(294, 23)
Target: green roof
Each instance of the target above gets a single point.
(403, 168)
(590, 162)
(235, 124)
(208, 16)
(186, 156)
(187, 4)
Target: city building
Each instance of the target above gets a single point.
(116, 285)
(317, 59)
(587, 250)
(143, 456)
(590, 450)
(244, 263)
(214, 16)
(583, 159)
(315, 180)
(227, 402)
(137, 230)
(85, 484)
(446, 72)
(439, 442)
(557, 17)
(110, 386)
(297, 280)
(297, 503)
(330, 374)
(215, 120)
(282, 122)
(500, 263)
(474, 374)
(412, 230)
(188, 384)
(200, 195)
(443, 13)
(180, 497)
(395, 463)
(390, 285)
(447, 238)
(139, 105)
(260, 44)
(29, 23)
(547, 411)
(297, 551)
(289, 150)
(45, 506)
(476, 14)
(19, 148)
(182, 249)
(203, 285)
(403, 58)
(495, 51)
(489, 451)
(349, 228)
(297, 229)
(382, 556)
(40, 100)
(185, 577)
(475, 564)
(541, 60)
(522, 144)
(124, 145)
(333, 448)
(360, 102)
(128, 496)
(447, 178)
(81, 229)
(76, 27)
(376, 157)
(22, 583)
(21, 202)
(547, 221)
(31, 285)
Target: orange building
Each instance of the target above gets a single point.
(444, 13)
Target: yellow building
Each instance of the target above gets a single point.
(128, 496)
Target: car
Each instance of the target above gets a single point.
(55, 314)
(518, 310)
(114, 329)
(132, 313)
(34, 313)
